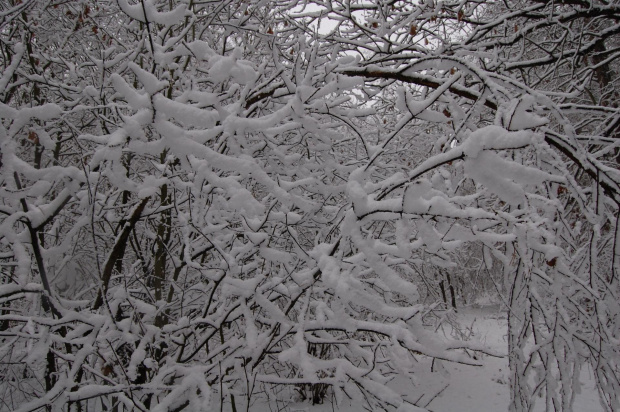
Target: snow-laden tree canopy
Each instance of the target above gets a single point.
(206, 203)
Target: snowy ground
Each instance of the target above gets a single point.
(486, 388)
(459, 388)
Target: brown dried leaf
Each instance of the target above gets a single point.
(33, 137)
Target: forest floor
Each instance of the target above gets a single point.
(486, 388)
(453, 387)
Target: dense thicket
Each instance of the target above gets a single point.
(206, 204)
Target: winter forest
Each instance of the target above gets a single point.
(278, 205)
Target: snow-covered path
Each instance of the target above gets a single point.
(472, 389)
